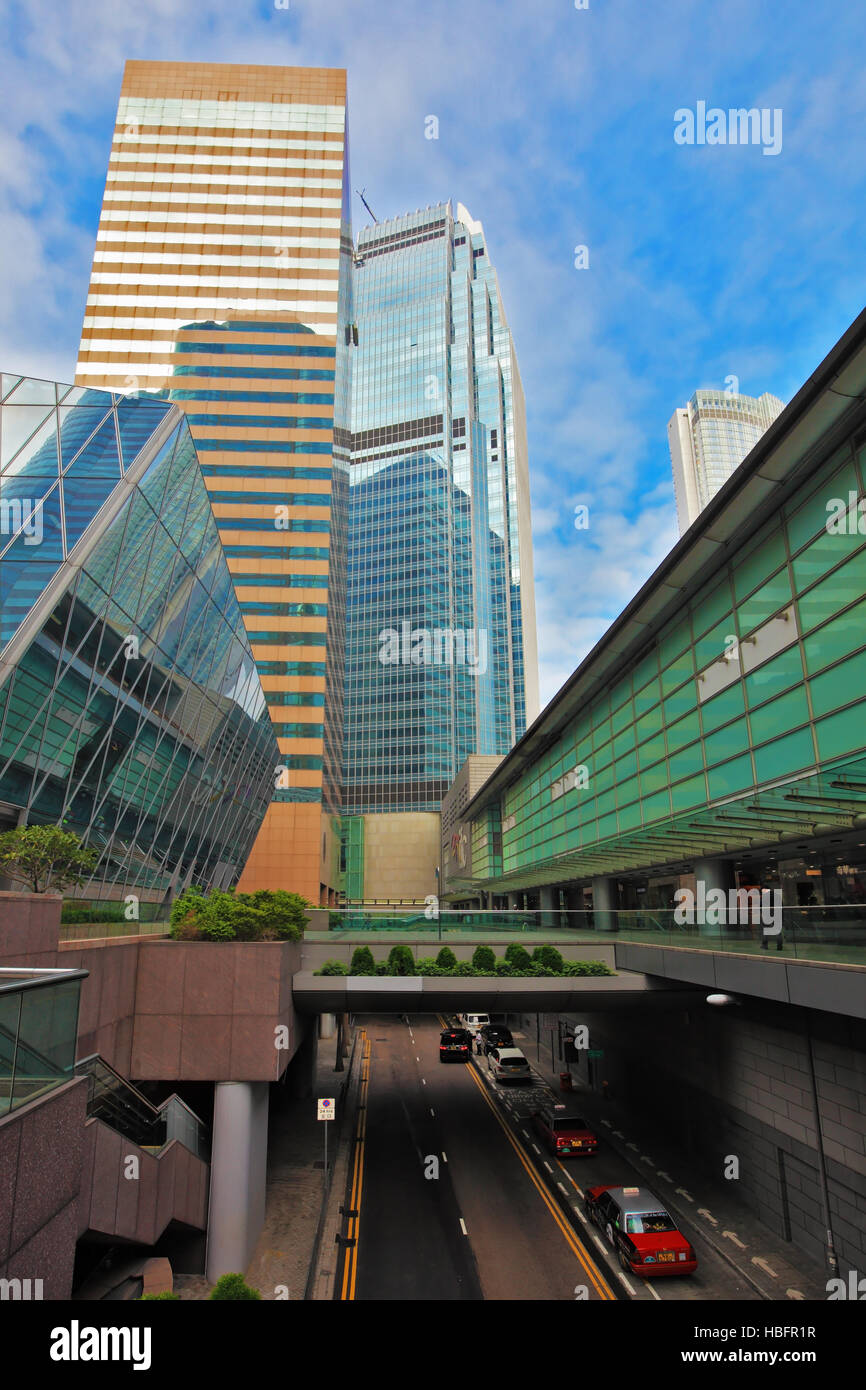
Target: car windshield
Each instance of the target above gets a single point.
(648, 1223)
(569, 1122)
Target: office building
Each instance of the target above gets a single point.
(131, 710)
(708, 439)
(222, 280)
(441, 658)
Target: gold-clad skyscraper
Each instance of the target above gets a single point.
(222, 280)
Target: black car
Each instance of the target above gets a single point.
(495, 1035)
(455, 1045)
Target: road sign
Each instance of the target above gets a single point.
(326, 1110)
(595, 1052)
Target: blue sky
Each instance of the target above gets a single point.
(555, 129)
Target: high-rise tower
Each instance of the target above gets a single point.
(441, 657)
(708, 439)
(222, 280)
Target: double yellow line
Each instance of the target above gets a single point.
(350, 1263)
(599, 1283)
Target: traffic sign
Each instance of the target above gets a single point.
(326, 1110)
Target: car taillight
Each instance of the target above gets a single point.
(463, 1047)
(560, 1143)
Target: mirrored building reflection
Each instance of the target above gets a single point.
(131, 709)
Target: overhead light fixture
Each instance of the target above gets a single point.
(720, 999)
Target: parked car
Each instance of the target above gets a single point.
(566, 1133)
(644, 1235)
(508, 1064)
(495, 1035)
(455, 1045)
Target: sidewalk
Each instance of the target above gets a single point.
(295, 1184)
(773, 1267)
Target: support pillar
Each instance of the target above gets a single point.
(714, 873)
(327, 1025)
(238, 1173)
(604, 904)
(548, 902)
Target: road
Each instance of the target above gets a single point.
(458, 1201)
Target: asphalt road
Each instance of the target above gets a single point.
(481, 1225)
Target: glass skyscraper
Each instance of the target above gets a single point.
(222, 280)
(131, 710)
(441, 654)
(708, 439)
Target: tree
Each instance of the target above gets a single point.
(517, 956)
(44, 856)
(484, 959)
(401, 961)
(362, 961)
(446, 959)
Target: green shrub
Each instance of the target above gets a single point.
(549, 957)
(362, 961)
(504, 967)
(484, 958)
(401, 961)
(332, 967)
(518, 956)
(73, 911)
(233, 1286)
(586, 967)
(382, 968)
(282, 916)
(464, 967)
(426, 965)
(153, 1297)
(446, 959)
(334, 919)
(231, 916)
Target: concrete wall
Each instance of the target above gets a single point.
(29, 927)
(737, 1081)
(41, 1164)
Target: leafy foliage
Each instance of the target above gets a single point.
(549, 957)
(231, 916)
(517, 956)
(332, 967)
(362, 962)
(401, 961)
(233, 1286)
(484, 958)
(446, 959)
(44, 857)
(154, 1297)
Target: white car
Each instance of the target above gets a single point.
(509, 1064)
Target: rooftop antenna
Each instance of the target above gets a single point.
(360, 192)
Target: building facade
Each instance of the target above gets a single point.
(131, 709)
(708, 439)
(222, 280)
(441, 657)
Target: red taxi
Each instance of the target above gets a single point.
(644, 1236)
(565, 1132)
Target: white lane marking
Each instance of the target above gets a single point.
(444, 1156)
(417, 1059)
(794, 1293)
(702, 1211)
(608, 1123)
(524, 1130)
(729, 1235)
(548, 1167)
(762, 1264)
(537, 1149)
(631, 1146)
(645, 1158)
(562, 1187)
(622, 1277)
(601, 1247)
(656, 1296)
(463, 1226)
(682, 1193)
(619, 1134)
(432, 1111)
(423, 1082)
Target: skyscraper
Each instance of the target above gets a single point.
(222, 280)
(441, 654)
(708, 439)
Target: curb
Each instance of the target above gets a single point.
(323, 1262)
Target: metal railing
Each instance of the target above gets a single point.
(116, 1101)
